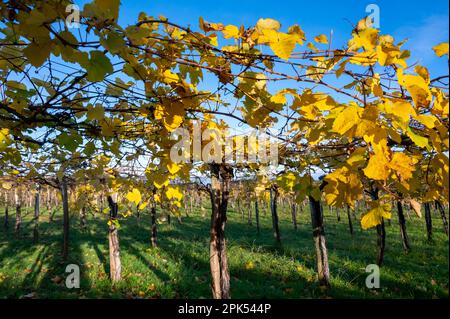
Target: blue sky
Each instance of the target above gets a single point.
(425, 23)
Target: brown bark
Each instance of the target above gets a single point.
(115, 265)
(402, 223)
(249, 216)
(428, 221)
(381, 232)
(443, 216)
(350, 223)
(381, 242)
(323, 270)
(294, 215)
(83, 218)
(221, 175)
(273, 208)
(154, 233)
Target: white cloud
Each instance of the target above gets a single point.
(422, 37)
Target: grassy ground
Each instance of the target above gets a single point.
(259, 267)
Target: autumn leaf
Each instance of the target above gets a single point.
(267, 24)
(415, 205)
(37, 53)
(282, 44)
(134, 196)
(321, 39)
(174, 193)
(230, 31)
(441, 49)
(374, 216)
(98, 66)
(96, 112)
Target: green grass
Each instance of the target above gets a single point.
(179, 267)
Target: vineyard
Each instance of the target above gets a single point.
(154, 159)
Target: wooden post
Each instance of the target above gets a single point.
(115, 265)
(221, 175)
(273, 208)
(323, 270)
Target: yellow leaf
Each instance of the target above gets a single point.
(249, 265)
(286, 181)
(230, 31)
(441, 49)
(373, 217)
(4, 132)
(174, 193)
(366, 38)
(403, 165)
(427, 120)
(344, 187)
(417, 87)
(134, 196)
(264, 24)
(282, 44)
(377, 168)
(400, 108)
(172, 115)
(417, 139)
(347, 120)
(321, 39)
(423, 72)
(160, 180)
(142, 205)
(170, 77)
(173, 168)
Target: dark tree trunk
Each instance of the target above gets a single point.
(381, 232)
(381, 242)
(83, 218)
(154, 233)
(338, 215)
(221, 175)
(168, 219)
(350, 223)
(273, 208)
(36, 216)
(6, 223)
(65, 202)
(443, 216)
(402, 223)
(323, 270)
(249, 216)
(294, 215)
(18, 205)
(257, 215)
(428, 222)
(115, 265)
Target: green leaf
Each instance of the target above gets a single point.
(98, 66)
